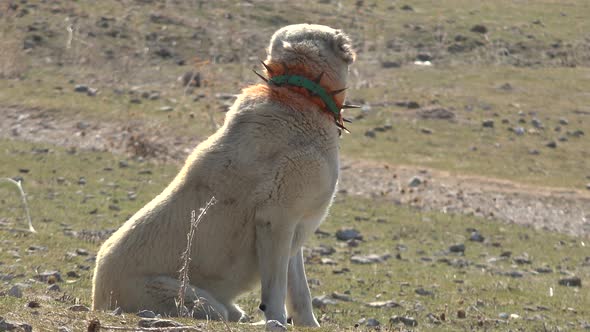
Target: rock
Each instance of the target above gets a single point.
(146, 314)
(81, 88)
(6, 325)
(425, 56)
(426, 131)
(439, 113)
(78, 308)
(551, 144)
(503, 315)
(518, 131)
(345, 234)
(506, 87)
(588, 186)
(563, 121)
(322, 301)
(571, 282)
(135, 101)
(544, 269)
(191, 78)
(82, 181)
(423, 292)
(63, 329)
(33, 304)
(407, 321)
(54, 288)
(15, 291)
(460, 248)
(157, 323)
(534, 152)
(537, 123)
(408, 104)
(562, 139)
(81, 252)
(372, 322)
(488, 123)
(92, 92)
(390, 64)
(341, 297)
(479, 28)
(164, 53)
(274, 326)
(433, 319)
(49, 276)
(415, 181)
(407, 8)
(323, 250)
(383, 304)
(370, 133)
(461, 314)
(369, 259)
(166, 109)
(523, 259)
(476, 237)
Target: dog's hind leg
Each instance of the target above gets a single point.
(162, 293)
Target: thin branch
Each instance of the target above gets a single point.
(24, 200)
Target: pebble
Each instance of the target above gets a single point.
(63, 329)
(372, 322)
(166, 109)
(415, 181)
(15, 291)
(146, 314)
(407, 321)
(488, 123)
(457, 248)
(322, 301)
(518, 131)
(54, 288)
(6, 325)
(433, 319)
(571, 282)
(537, 123)
(479, 28)
(461, 314)
(345, 234)
(426, 131)
(423, 292)
(274, 326)
(369, 259)
(370, 134)
(544, 270)
(157, 323)
(45, 276)
(81, 88)
(78, 308)
(551, 144)
(342, 297)
(383, 304)
(503, 315)
(476, 237)
(563, 121)
(81, 252)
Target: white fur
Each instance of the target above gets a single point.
(273, 170)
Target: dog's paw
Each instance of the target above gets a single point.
(275, 326)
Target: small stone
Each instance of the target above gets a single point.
(524, 259)
(588, 186)
(423, 292)
(488, 123)
(415, 181)
(424, 56)
(63, 329)
(503, 315)
(461, 314)
(433, 319)
(123, 164)
(135, 101)
(571, 282)
(6, 325)
(383, 304)
(274, 326)
(78, 308)
(54, 288)
(563, 121)
(369, 259)
(15, 291)
(157, 323)
(341, 297)
(551, 144)
(166, 109)
(519, 131)
(82, 181)
(479, 28)
(345, 234)
(372, 322)
(370, 134)
(544, 269)
(562, 139)
(92, 92)
(537, 123)
(322, 301)
(407, 321)
(390, 64)
(476, 237)
(534, 152)
(81, 252)
(49, 276)
(33, 304)
(426, 131)
(460, 248)
(146, 314)
(81, 88)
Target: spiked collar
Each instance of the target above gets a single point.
(314, 89)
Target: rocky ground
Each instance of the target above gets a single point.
(561, 210)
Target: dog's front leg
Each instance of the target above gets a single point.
(273, 246)
(298, 295)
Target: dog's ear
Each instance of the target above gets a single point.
(343, 47)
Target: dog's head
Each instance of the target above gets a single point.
(318, 48)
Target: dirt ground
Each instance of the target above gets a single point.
(556, 209)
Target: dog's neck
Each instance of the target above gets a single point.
(317, 87)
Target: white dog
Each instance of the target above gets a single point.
(273, 168)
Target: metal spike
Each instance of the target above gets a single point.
(335, 92)
(263, 78)
(285, 68)
(350, 106)
(342, 127)
(347, 120)
(267, 67)
(319, 78)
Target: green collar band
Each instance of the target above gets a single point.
(311, 86)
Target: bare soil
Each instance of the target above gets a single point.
(556, 209)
